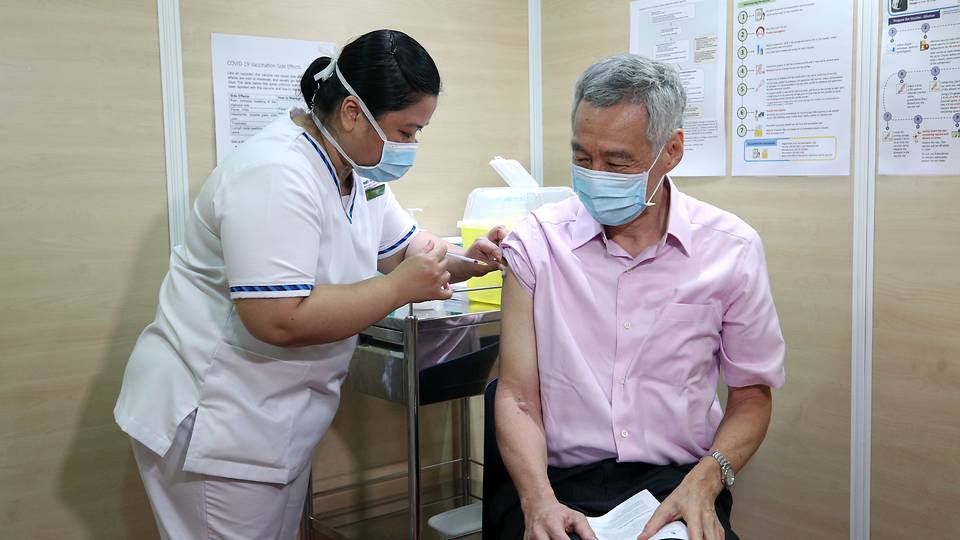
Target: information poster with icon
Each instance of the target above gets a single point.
(690, 34)
(920, 88)
(792, 87)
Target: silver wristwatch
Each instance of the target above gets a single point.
(726, 470)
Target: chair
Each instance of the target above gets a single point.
(494, 471)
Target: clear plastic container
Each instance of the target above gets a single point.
(507, 206)
(510, 204)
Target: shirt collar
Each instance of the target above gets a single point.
(585, 228)
(678, 222)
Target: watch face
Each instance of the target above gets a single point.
(728, 479)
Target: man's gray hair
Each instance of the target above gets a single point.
(638, 80)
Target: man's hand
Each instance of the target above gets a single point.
(693, 501)
(550, 520)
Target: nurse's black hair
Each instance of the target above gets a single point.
(387, 68)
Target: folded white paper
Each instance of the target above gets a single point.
(627, 520)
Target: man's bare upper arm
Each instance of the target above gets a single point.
(737, 395)
(518, 344)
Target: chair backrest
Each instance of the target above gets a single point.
(494, 472)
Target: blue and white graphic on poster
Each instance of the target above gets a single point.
(920, 88)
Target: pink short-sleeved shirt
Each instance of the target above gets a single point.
(630, 349)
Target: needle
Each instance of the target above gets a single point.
(464, 259)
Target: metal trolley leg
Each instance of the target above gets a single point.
(413, 424)
(465, 449)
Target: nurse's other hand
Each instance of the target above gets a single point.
(423, 277)
(487, 250)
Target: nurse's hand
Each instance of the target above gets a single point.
(423, 277)
(487, 250)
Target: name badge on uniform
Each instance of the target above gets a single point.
(373, 189)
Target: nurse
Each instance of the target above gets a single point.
(229, 390)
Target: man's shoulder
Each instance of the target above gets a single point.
(557, 213)
(549, 216)
(546, 224)
(709, 219)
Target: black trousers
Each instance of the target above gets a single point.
(597, 488)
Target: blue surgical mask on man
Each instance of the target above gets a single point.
(395, 158)
(614, 198)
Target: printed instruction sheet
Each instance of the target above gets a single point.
(920, 88)
(690, 34)
(627, 520)
(791, 87)
(255, 79)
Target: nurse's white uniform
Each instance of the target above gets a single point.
(224, 424)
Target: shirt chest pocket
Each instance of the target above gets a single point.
(682, 346)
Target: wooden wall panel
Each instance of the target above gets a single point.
(480, 48)
(916, 358)
(83, 234)
(797, 487)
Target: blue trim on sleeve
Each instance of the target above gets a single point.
(400, 242)
(271, 288)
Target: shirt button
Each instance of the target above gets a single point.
(621, 380)
(624, 434)
(627, 325)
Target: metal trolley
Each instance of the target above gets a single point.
(417, 357)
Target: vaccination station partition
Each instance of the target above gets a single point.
(864, 437)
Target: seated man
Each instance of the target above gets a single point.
(622, 308)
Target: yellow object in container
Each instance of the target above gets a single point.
(488, 207)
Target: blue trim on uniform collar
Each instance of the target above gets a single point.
(353, 201)
(323, 157)
(333, 174)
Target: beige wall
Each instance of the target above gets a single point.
(916, 358)
(83, 214)
(797, 486)
(83, 234)
(480, 48)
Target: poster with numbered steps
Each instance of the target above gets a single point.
(791, 92)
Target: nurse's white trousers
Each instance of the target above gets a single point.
(190, 506)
